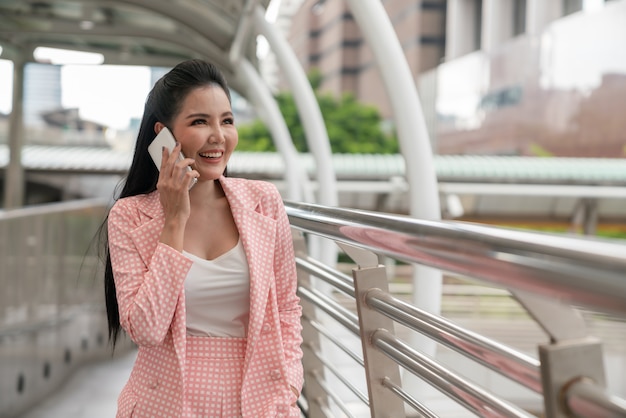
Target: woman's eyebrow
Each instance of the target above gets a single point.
(198, 115)
(206, 115)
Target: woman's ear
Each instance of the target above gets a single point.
(157, 127)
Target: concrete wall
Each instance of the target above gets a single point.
(52, 317)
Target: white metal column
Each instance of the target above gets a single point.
(497, 23)
(539, 14)
(312, 122)
(14, 175)
(259, 94)
(376, 27)
(460, 28)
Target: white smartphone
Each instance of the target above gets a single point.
(155, 149)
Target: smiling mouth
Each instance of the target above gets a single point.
(211, 154)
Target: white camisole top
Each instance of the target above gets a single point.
(217, 294)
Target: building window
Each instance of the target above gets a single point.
(478, 23)
(572, 6)
(519, 17)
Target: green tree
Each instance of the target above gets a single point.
(352, 127)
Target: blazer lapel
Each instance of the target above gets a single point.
(151, 220)
(258, 235)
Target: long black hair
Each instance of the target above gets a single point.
(163, 104)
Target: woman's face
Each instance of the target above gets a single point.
(205, 128)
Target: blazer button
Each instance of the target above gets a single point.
(266, 328)
(275, 374)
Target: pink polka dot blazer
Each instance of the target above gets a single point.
(149, 279)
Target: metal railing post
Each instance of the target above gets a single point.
(564, 363)
(313, 392)
(369, 275)
(570, 357)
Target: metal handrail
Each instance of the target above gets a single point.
(496, 356)
(544, 272)
(332, 395)
(585, 399)
(587, 273)
(339, 280)
(328, 335)
(335, 371)
(466, 393)
(340, 314)
(415, 404)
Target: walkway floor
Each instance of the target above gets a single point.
(91, 392)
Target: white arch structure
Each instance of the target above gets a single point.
(414, 142)
(157, 33)
(258, 93)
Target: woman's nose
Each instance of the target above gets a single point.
(217, 136)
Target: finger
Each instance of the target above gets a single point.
(186, 164)
(188, 161)
(192, 178)
(175, 155)
(165, 153)
(187, 172)
(172, 159)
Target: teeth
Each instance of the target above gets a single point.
(211, 154)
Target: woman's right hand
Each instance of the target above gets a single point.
(173, 186)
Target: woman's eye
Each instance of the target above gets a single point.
(229, 121)
(198, 122)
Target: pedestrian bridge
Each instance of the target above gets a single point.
(403, 315)
(530, 324)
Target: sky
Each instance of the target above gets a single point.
(106, 94)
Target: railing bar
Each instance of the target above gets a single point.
(496, 356)
(54, 208)
(585, 399)
(327, 413)
(304, 409)
(332, 395)
(464, 392)
(411, 401)
(337, 279)
(332, 308)
(582, 272)
(343, 380)
(331, 218)
(326, 333)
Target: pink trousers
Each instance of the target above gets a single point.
(214, 373)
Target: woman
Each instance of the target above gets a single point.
(202, 279)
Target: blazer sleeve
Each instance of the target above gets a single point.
(289, 308)
(148, 275)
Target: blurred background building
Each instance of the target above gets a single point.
(505, 77)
